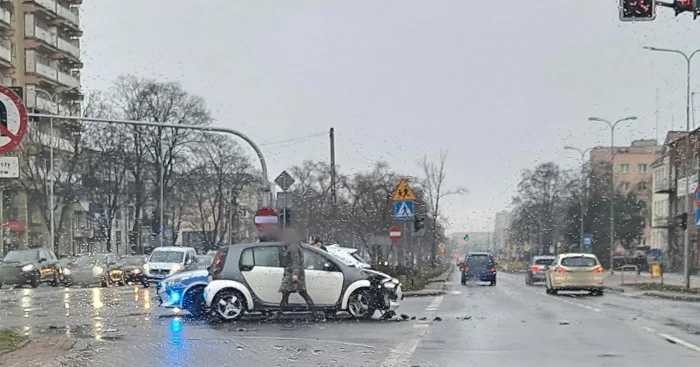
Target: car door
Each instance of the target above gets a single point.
(45, 264)
(263, 272)
(324, 280)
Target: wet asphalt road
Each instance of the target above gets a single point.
(510, 324)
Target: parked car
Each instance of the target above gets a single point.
(245, 278)
(575, 272)
(98, 268)
(30, 266)
(134, 271)
(479, 266)
(168, 260)
(185, 290)
(538, 267)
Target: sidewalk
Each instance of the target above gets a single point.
(42, 351)
(671, 286)
(435, 287)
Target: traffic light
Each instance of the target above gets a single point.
(681, 6)
(418, 223)
(638, 10)
(682, 220)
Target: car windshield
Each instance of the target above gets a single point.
(166, 257)
(202, 262)
(479, 260)
(358, 257)
(544, 261)
(133, 260)
(90, 260)
(579, 262)
(18, 256)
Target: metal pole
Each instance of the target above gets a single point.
(688, 158)
(267, 198)
(583, 189)
(162, 191)
(54, 245)
(284, 205)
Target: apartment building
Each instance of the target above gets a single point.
(663, 187)
(632, 171)
(501, 230)
(40, 52)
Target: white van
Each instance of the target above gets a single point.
(167, 260)
(348, 255)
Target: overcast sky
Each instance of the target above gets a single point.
(501, 85)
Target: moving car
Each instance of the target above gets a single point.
(168, 260)
(184, 290)
(538, 267)
(245, 278)
(134, 271)
(479, 266)
(98, 268)
(575, 272)
(348, 255)
(30, 266)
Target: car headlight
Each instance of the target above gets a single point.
(66, 271)
(29, 267)
(389, 285)
(175, 268)
(146, 267)
(97, 271)
(135, 271)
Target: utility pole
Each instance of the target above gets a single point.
(333, 192)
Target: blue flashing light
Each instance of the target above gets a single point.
(175, 296)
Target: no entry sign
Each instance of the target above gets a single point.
(13, 120)
(395, 233)
(265, 218)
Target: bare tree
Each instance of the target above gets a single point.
(433, 187)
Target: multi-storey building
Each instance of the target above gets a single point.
(663, 186)
(631, 170)
(40, 52)
(501, 233)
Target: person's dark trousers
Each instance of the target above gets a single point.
(285, 302)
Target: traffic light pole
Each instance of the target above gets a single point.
(688, 157)
(583, 189)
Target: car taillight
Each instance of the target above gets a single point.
(535, 268)
(493, 270)
(560, 270)
(466, 268)
(598, 269)
(218, 264)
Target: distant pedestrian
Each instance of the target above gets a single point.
(316, 242)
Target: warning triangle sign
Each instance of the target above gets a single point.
(404, 192)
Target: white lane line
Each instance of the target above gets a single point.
(680, 342)
(401, 355)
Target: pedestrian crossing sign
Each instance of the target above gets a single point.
(403, 192)
(403, 210)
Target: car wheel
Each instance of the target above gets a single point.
(493, 282)
(35, 281)
(528, 280)
(193, 301)
(360, 304)
(553, 292)
(229, 305)
(597, 292)
(146, 284)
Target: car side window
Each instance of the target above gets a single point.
(313, 261)
(247, 260)
(266, 256)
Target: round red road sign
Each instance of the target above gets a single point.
(395, 233)
(266, 217)
(13, 120)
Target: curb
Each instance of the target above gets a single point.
(673, 297)
(21, 345)
(426, 294)
(615, 289)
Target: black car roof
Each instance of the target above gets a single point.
(479, 253)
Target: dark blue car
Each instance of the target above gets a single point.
(479, 266)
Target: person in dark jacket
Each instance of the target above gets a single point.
(316, 242)
(293, 280)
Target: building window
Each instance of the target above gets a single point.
(642, 186)
(642, 168)
(624, 168)
(624, 186)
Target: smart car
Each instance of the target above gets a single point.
(245, 278)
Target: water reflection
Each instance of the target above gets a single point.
(177, 350)
(97, 299)
(66, 302)
(26, 302)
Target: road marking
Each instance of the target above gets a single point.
(680, 342)
(401, 355)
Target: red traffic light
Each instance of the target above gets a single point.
(638, 10)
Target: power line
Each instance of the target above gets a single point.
(294, 139)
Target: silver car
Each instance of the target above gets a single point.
(538, 266)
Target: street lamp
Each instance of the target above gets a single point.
(612, 126)
(163, 148)
(583, 184)
(688, 157)
(54, 99)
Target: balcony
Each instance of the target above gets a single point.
(68, 14)
(67, 46)
(58, 143)
(660, 222)
(5, 19)
(5, 54)
(68, 80)
(662, 186)
(46, 71)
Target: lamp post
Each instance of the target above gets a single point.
(688, 157)
(612, 126)
(583, 186)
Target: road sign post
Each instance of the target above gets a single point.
(587, 243)
(696, 195)
(266, 219)
(403, 210)
(285, 181)
(403, 199)
(13, 120)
